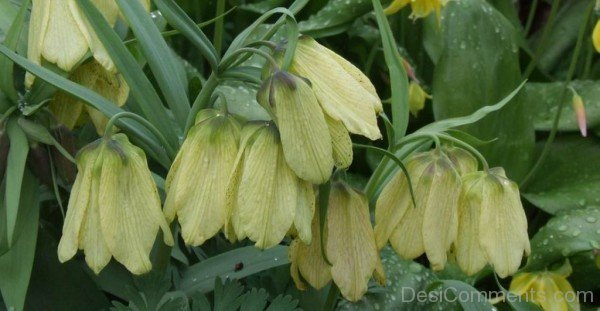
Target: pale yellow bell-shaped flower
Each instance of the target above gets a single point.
(304, 133)
(420, 8)
(430, 227)
(342, 90)
(549, 289)
(416, 98)
(197, 182)
(464, 162)
(114, 209)
(349, 244)
(492, 222)
(596, 36)
(68, 110)
(60, 34)
(341, 143)
(265, 198)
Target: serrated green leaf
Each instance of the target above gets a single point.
(160, 57)
(479, 65)
(15, 170)
(228, 295)
(200, 277)
(335, 17)
(569, 177)
(255, 299)
(544, 97)
(283, 303)
(17, 263)
(568, 233)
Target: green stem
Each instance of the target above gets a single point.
(477, 154)
(218, 38)
(332, 297)
(126, 114)
(531, 16)
(561, 99)
(231, 58)
(542, 43)
(202, 100)
(7, 113)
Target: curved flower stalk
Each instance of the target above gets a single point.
(492, 222)
(343, 91)
(70, 110)
(197, 181)
(352, 255)
(265, 198)
(114, 209)
(420, 8)
(60, 34)
(548, 289)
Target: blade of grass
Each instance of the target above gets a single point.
(15, 168)
(160, 58)
(140, 87)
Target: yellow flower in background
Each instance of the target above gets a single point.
(416, 98)
(548, 289)
(596, 36)
(343, 91)
(197, 182)
(431, 226)
(347, 229)
(420, 8)
(492, 224)
(114, 209)
(304, 133)
(69, 110)
(60, 34)
(265, 198)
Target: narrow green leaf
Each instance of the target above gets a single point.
(160, 57)
(17, 263)
(15, 168)
(95, 100)
(201, 276)
(398, 77)
(12, 39)
(334, 18)
(182, 22)
(140, 87)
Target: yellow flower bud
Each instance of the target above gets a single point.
(69, 110)
(416, 98)
(344, 93)
(305, 137)
(347, 229)
(493, 226)
(114, 209)
(596, 36)
(60, 34)
(430, 227)
(548, 289)
(197, 182)
(265, 197)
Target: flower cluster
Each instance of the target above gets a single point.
(474, 216)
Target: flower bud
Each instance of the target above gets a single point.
(548, 289)
(68, 109)
(307, 144)
(60, 34)
(416, 98)
(264, 195)
(343, 91)
(432, 225)
(347, 229)
(493, 226)
(114, 209)
(196, 185)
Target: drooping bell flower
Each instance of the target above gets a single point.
(492, 224)
(347, 229)
(343, 91)
(304, 133)
(60, 34)
(70, 110)
(114, 209)
(197, 182)
(431, 226)
(265, 198)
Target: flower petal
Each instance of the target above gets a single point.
(341, 143)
